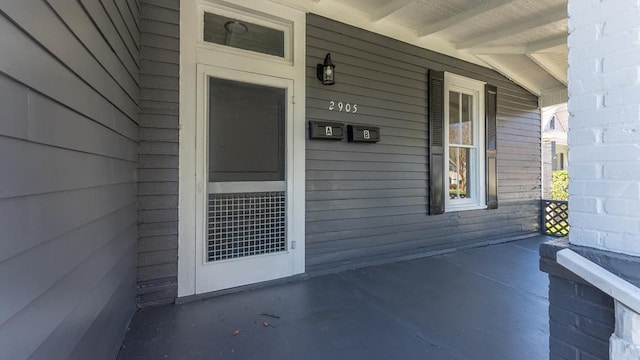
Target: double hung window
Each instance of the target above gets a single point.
(463, 171)
(464, 143)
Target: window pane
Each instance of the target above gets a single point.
(243, 35)
(454, 117)
(459, 169)
(467, 123)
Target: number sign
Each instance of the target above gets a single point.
(343, 107)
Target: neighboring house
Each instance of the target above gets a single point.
(555, 151)
(156, 151)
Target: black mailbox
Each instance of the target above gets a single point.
(363, 133)
(326, 130)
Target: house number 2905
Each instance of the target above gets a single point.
(340, 106)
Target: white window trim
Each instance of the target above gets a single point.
(476, 89)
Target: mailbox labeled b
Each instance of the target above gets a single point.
(363, 133)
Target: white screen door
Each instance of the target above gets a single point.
(243, 140)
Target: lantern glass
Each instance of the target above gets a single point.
(326, 71)
(328, 75)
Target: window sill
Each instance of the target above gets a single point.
(454, 208)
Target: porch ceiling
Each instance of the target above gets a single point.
(525, 40)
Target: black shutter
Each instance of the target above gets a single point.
(491, 95)
(436, 142)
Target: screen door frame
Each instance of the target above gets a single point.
(191, 184)
(225, 274)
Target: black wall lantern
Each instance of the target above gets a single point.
(325, 71)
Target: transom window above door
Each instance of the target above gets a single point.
(234, 30)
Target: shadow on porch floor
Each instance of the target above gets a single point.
(484, 303)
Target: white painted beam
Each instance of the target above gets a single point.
(554, 15)
(498, 50)
(553, 69)
(461, 17)
(548, 45)
(512, 74)
(552, 97)
(390, 8)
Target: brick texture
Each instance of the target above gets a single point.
(625, 344)
(581, 320)
(581, 317)
(604, 136)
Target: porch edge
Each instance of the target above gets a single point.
(336, 267)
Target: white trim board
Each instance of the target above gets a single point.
(618, 288)
(224, 274)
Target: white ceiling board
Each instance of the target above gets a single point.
(339, 10)
(512, 73)
(534, 22)
(551, 64)
(368, 6)
(388, 9)
(461, 17)
(500, 17)
(526, 68)
(553, 30)
(558, 72)
(554, 44)
(422, 12)
(499, 34)
(558, 58)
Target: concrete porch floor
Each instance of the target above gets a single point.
(483, 303)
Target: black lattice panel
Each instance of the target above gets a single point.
(245, 224)
(556, 218)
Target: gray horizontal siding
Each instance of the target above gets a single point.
(69, 144)
(158, 152)
(363, 201)
(368, 202)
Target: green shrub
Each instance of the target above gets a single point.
(560, 185)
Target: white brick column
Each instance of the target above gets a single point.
(604, 136)
(604, 140)
(625, 342)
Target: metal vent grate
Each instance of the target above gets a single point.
(245, 224)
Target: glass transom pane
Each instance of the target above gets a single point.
(244, 35)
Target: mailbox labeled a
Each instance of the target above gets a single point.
(326, 130)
